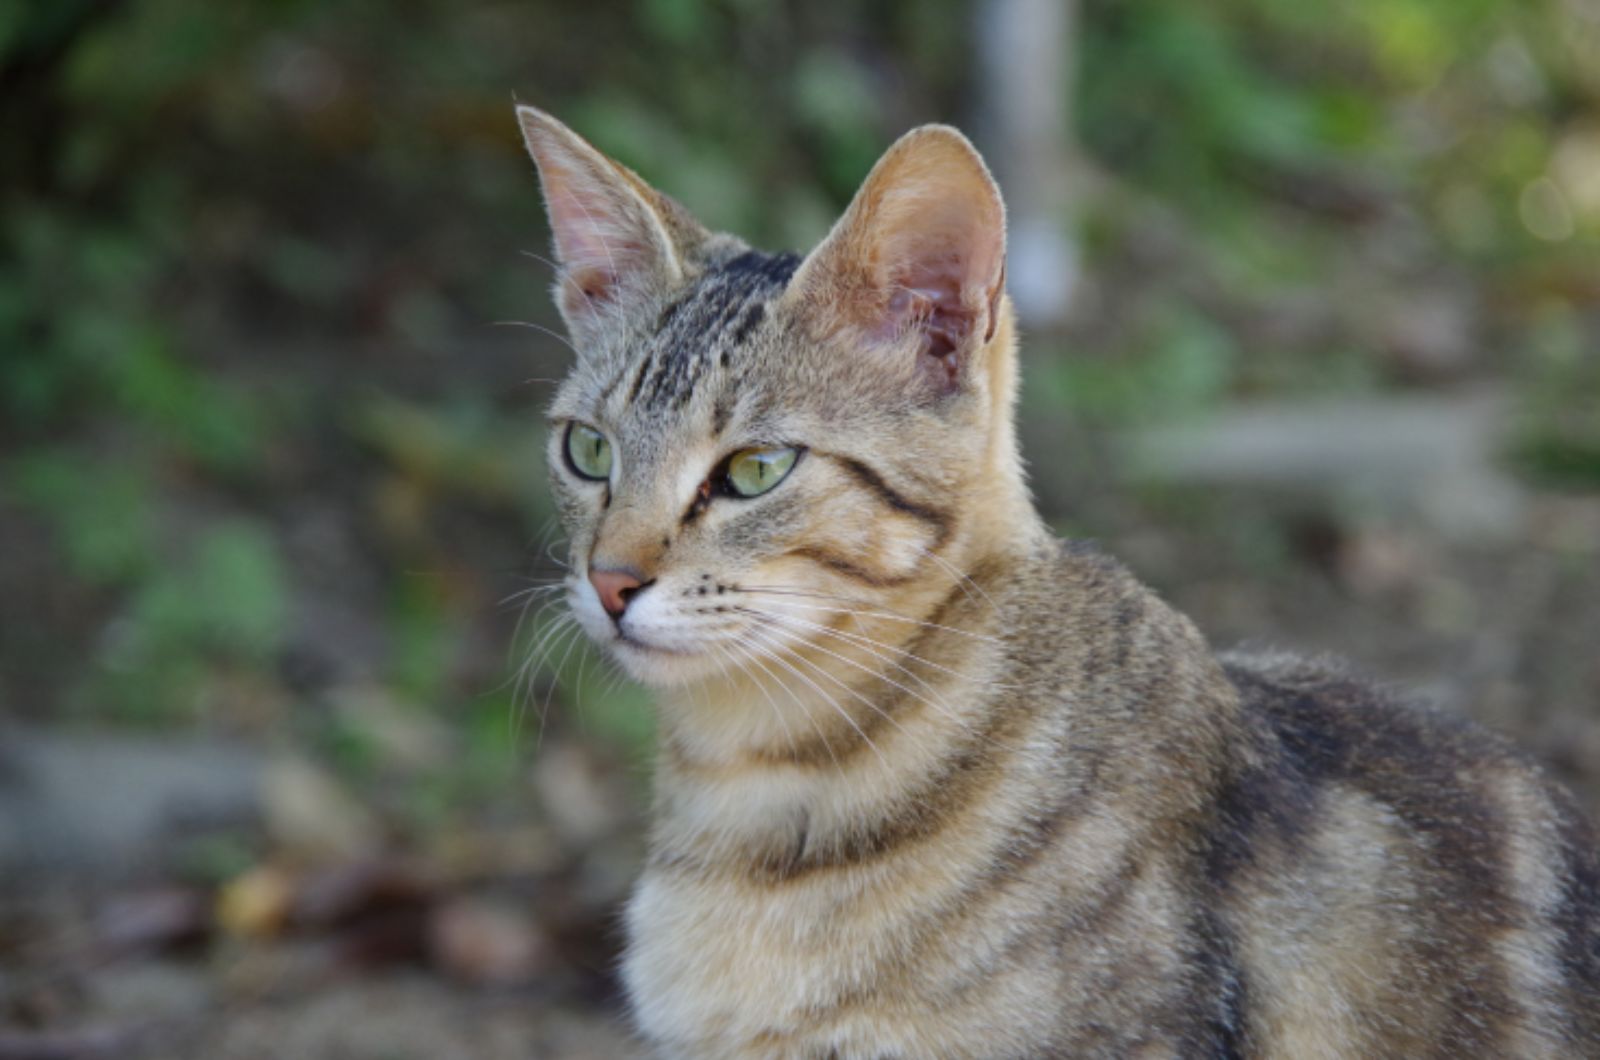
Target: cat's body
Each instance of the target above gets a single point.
(933, 784)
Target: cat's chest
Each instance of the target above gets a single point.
(737, 964)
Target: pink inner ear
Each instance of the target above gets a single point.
(941, 321)
(930, 309)
(938, 262)
(600, 239)
(594, 285)
(931, 278)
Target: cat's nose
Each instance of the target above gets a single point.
(616, 588)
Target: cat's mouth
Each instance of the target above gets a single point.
(633, 642)
(648, 660)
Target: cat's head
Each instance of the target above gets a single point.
(751, 446)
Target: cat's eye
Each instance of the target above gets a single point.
(752, 472)
(588, 451)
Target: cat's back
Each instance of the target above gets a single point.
(1362, 875)
(1396, 880)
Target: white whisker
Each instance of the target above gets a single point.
(866, 643)
(963, 580)
(753, 650)
(725, 652)
(800, 624)
(862, 639)
(573, 638)
(535, 327)
(889, 616)
(536, 658)
(781, 661)
(561, 273)
(553, 558)
(529, 593)
(877, 648)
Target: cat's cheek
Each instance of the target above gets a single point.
(870, 546)
(578, 512)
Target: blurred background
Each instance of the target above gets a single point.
(1311, 301)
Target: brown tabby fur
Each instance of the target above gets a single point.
(933, 783)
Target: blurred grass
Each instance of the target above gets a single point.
(263, 447)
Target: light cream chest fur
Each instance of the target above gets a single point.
(728, 966)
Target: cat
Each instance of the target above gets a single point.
(933, 783)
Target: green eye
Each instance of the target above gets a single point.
(588, 451)
(755, 471)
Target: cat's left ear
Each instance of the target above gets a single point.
(617, 239)
(918, 259)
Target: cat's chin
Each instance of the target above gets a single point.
(661, 667)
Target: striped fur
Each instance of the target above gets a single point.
(935, 784)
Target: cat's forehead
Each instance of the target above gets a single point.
(704, 334)
(708, 327)
(702, 357)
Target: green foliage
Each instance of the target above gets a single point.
(425, 641)
(1219, 107)
(459, 445)
(251, 252)
(225, 604)
(103, 515)
(1558, 435)
(1180, 364)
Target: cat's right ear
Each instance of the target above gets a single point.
(916, 266)
(617, 240)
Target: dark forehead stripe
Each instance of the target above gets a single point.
(770, 270)
(707, 323)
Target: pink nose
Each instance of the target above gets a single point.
(616, 588)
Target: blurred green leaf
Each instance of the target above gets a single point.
(229, 595)
(675, 22)
(424, 638)
(103, 512)
(1558, 431)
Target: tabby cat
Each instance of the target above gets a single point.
(933, 783)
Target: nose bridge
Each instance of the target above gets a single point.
(637, 528)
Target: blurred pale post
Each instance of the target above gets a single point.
(1025, 61)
